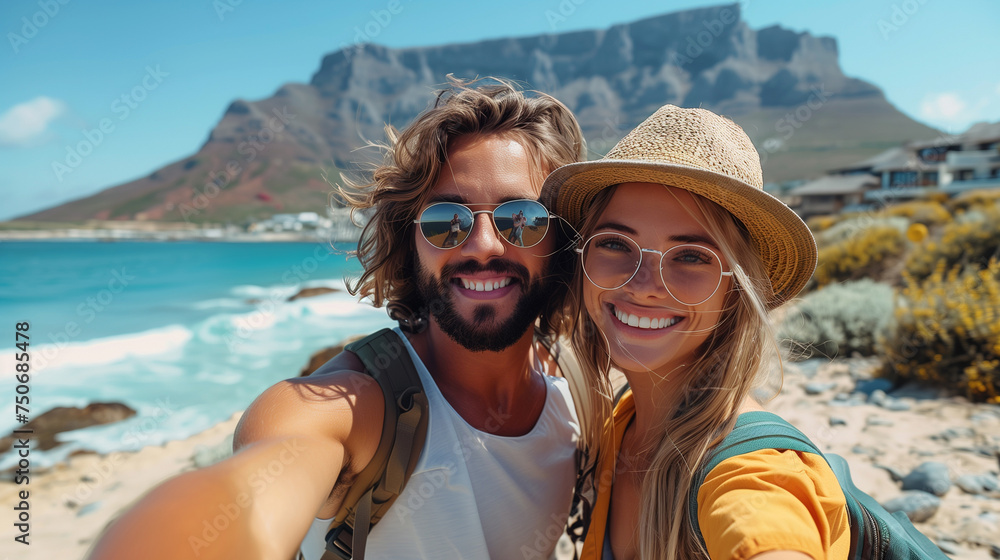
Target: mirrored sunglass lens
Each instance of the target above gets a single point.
(692, 273)
(522, 222)
(610, 260)
(446, 225)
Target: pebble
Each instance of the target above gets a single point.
(817, 388)
(89, 508)
(862, 450)
(870, 386)
(862, 369)
(809, 367)
(981, 417)
(954, 433)
(919, 506)
(837, 421)
(877, 397)
(930, 477)
(948, 547)
(896, 405)
(878, 421)
(995, 551)
(978, 483)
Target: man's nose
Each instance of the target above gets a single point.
(483, 241)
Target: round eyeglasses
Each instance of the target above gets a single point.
(522, 223)
(691, 273)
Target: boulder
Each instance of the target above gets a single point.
(64, 419)
(916, 504)
(325, 355)
(929, 477)
(817, 388)
(310, 292)
(978, 483)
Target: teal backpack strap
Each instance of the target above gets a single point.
(404, 430)
(875, 533)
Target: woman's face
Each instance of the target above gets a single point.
(668, 331)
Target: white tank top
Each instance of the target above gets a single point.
(474, 494)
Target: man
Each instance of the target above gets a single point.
(454, 226)
(496, 473)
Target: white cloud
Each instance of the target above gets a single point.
(942, 107)
(25, 123)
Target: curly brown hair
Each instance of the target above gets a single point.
(401, 185)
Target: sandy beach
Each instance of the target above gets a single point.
(71, 503)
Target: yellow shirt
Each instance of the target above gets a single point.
(748, 504)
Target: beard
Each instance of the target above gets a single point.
(485, 332)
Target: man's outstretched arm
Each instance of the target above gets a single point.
(293, 442)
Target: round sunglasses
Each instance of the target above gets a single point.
(521, 223)
(691, 273)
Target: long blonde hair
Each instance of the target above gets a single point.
(730, 364)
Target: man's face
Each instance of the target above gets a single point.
(481, 173)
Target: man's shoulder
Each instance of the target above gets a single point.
(328, 403)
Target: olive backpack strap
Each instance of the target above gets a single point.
(404, 430)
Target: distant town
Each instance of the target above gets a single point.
(335, 225)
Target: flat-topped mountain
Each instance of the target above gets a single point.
(785, 88)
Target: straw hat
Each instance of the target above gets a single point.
(710, 156)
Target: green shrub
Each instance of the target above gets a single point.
(838, 320)
(863, 255)
(971, 240)
(947, 331)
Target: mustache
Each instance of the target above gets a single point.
(496, 266)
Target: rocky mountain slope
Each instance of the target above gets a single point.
(785, 88)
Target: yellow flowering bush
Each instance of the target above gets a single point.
(972, 239)
(983, 199)
(947, 331)
(820, 223)
(923, 211)
(859, 256)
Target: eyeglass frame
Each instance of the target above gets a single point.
(642, 249)
(493, 220)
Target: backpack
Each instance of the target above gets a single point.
(404, 429)
(875, 533)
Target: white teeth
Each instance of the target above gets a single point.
(485, 287)
(645, 322)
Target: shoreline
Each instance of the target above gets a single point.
(72, 502)
(87, 235)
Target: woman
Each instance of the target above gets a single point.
(682, 257)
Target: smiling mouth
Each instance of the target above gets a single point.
(487, 286)
(638, 321)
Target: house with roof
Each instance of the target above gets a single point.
(949, 164)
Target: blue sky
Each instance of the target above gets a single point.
(65, 65)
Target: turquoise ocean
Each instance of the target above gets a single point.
(185, 333)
